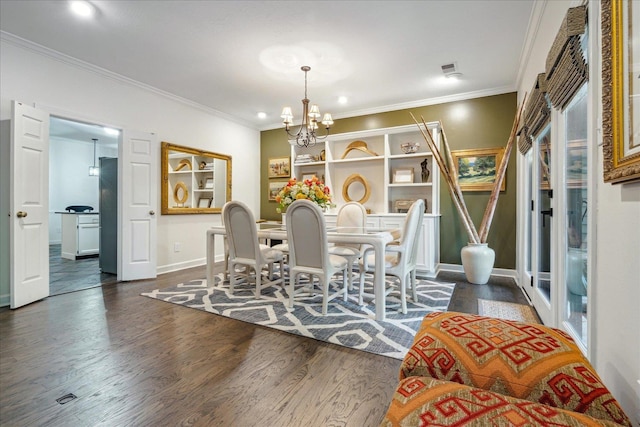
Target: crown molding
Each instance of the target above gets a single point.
(83, 65)
(535, 20)
(413, 104)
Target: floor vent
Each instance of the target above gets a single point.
(66, 398)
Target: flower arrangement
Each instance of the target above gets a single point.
(312, 189)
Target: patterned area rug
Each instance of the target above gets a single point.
(507, 311)
(346, 323)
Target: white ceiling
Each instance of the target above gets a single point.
(242, 57)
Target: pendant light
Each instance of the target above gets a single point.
(94, 170)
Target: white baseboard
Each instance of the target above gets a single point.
(501, 272)
(5, 300)
(161, 269)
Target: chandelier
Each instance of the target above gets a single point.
(306, 135)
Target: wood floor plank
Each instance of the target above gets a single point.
(132, 360)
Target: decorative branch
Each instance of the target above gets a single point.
(451, 181)
(501, 172)
(448, 170)
(454, 175)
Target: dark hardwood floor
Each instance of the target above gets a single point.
(135, 361)
(67, 275)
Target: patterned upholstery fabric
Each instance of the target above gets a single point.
(522, 360)
(421, 401)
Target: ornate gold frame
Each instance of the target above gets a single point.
(183, 171)
(496, 153)
(618, 165)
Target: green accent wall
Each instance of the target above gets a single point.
(475, 123)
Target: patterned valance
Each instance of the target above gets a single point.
(537, 114)
(566, 67)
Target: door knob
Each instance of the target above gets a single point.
(21, 214)
(152, 212)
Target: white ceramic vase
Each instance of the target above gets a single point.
(477, 261)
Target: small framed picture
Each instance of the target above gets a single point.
(274, 188)
(310, 175)
(204, 202)
(279, 167)
(208, 184)
(403, 176)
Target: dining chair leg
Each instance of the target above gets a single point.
(325, 294)
(258, 271)
(403, 293)
(345, 292)
(350, 262)
(414, 284)
(284, 283)
(361, 289)
(232, 276)
(292, 281)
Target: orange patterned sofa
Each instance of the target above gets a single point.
(465, 369)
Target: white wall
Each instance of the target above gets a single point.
(35, 78)
(615, 289)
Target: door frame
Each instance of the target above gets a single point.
(78, 117)
(547, 310)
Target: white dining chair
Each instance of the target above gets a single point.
(352, 218)
(245, 249)
(309, 253)
(400, 257)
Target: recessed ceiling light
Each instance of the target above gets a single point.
(82, 8)
(342, 100)
(262, 115)
(454, 76)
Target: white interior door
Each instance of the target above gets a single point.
(138, 192)
(29, 205)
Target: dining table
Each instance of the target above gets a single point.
(377, 238)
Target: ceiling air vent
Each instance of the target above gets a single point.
(451, 70)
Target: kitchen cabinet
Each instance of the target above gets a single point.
(80, 234)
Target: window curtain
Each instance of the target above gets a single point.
(537, 114)
(566, 68)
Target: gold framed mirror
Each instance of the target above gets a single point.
(620, 100)
(190, 176)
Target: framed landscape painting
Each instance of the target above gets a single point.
(476, 169)
(279, 167)
(275, 187)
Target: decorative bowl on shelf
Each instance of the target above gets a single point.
(409, 147)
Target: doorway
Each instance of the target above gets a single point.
(76, 152)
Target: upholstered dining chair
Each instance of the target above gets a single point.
(400, 257)
(245, 249)
(309, 253)
(352, 218)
